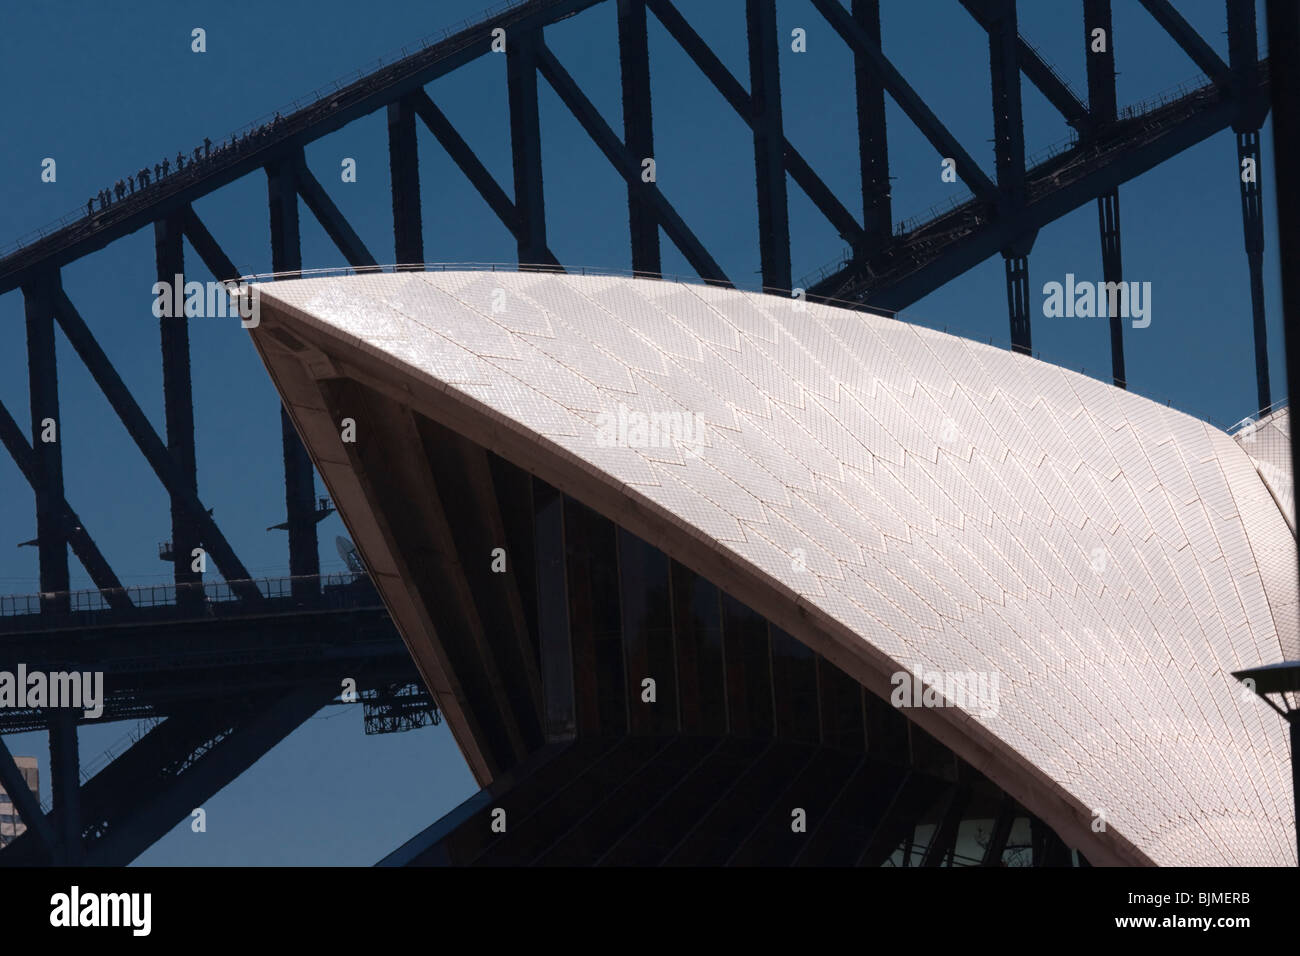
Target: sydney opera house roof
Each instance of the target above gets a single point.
(895, 497)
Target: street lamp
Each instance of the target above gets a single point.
(1281, 680)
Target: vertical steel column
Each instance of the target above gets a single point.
(1009, 156)
(1017, 269)
(1008, 120)
(404, 168)
(1243, 55)
(299, 479)
(769, 143)
(1102, 112)
(526, 146)
(638, 132)
(873, 150)
(43, 386)
(1252, 220)
(1100, 65)
(1112, 268)
(65, 768)
(178, 401)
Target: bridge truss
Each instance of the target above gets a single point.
(243, 667)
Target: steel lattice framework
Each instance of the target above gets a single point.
(223, 720)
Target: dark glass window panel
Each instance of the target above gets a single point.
(647, 634)
(931, 757)
(1048, 848)
(912, 820)
(552, 609)
(979, 820)
(748, 659)
(597, 629)
(794, 673)
(698, 628)
(1019, 850)
(514, 492)
(842, 713)
(887, 737)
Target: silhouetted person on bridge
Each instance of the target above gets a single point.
(90, 205)
(142, 177)
(120, 189)
(180, 161)
(130, 185)
(166, 166)
(207, 146)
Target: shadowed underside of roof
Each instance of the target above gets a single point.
(894, 497)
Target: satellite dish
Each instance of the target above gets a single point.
(348, 552)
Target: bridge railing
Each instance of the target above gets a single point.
(1250, 421)
(204, 593)
(316, 101)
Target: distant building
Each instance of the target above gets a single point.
(11, 824)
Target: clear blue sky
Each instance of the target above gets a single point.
(107, 88)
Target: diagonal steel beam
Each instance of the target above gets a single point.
(907, 98)
(463, 156)
(1202, 55)
(628, 166)
(83, 546)
(1050, 84)
(155, 452)
(732, 91)
(1038, 72)
(213, 257)
(331, 218)
(178, 765)
(168, 798)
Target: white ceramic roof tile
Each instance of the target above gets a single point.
(953, 504)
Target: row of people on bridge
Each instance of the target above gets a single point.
(202, 154)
